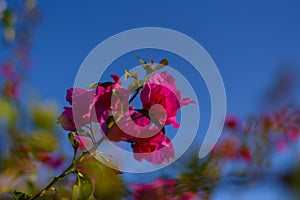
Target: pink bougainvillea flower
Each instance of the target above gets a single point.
(192, 196)
(161, 89)
(82, 102)
(157, 149)
(227, 148)
(232, 148)
(8, 70)
(281, 145)
(293, 135)
(131, 126)
(11, 89)
(159, 189)
(245, 154)
(103, 103)
(56, 161)
(231, 122)
(88, 105)
(66, 119)
(43, 157)
(51, 160)
(85, 142)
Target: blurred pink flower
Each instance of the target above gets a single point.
(231, 122)
(11, 89)
(8, 70)
(227, 147)
(51, 160)
(281, 145)
(232, 148)
(161, 189)
(245, 154)
(293, 134)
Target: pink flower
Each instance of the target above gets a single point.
(11, 89)
(231, 122)
(281, 145)
(66, 119)
(103, 102)
(245, 154)
(157, 149)
(232, 148)
(192, 196)
(51, 160)
(8, 70)
(88, 105)
(160, 189)
(161, 89)
(85, 142)
(56, 162)
(293, 134)
(227, 148)
(82, 102)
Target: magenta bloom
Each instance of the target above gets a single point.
(103, 100)
(231, 122)
(66, 119)
(157, 149)
(161, 89)
(161, 189)
(87, 105)
(8, 70)
(83, 102)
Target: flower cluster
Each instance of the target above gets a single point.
(108, 103)
(268, 131)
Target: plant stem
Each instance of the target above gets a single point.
(69, 169)
(135, 94)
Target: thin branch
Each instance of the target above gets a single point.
(72, 167)
(135, 94)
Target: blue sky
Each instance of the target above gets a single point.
(248, 40)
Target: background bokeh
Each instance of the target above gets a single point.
(255, 45)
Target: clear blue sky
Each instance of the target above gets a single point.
(246, 39)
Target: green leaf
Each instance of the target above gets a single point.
(84, 188)
(17, 195)
(107, 183)
(75, 142)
